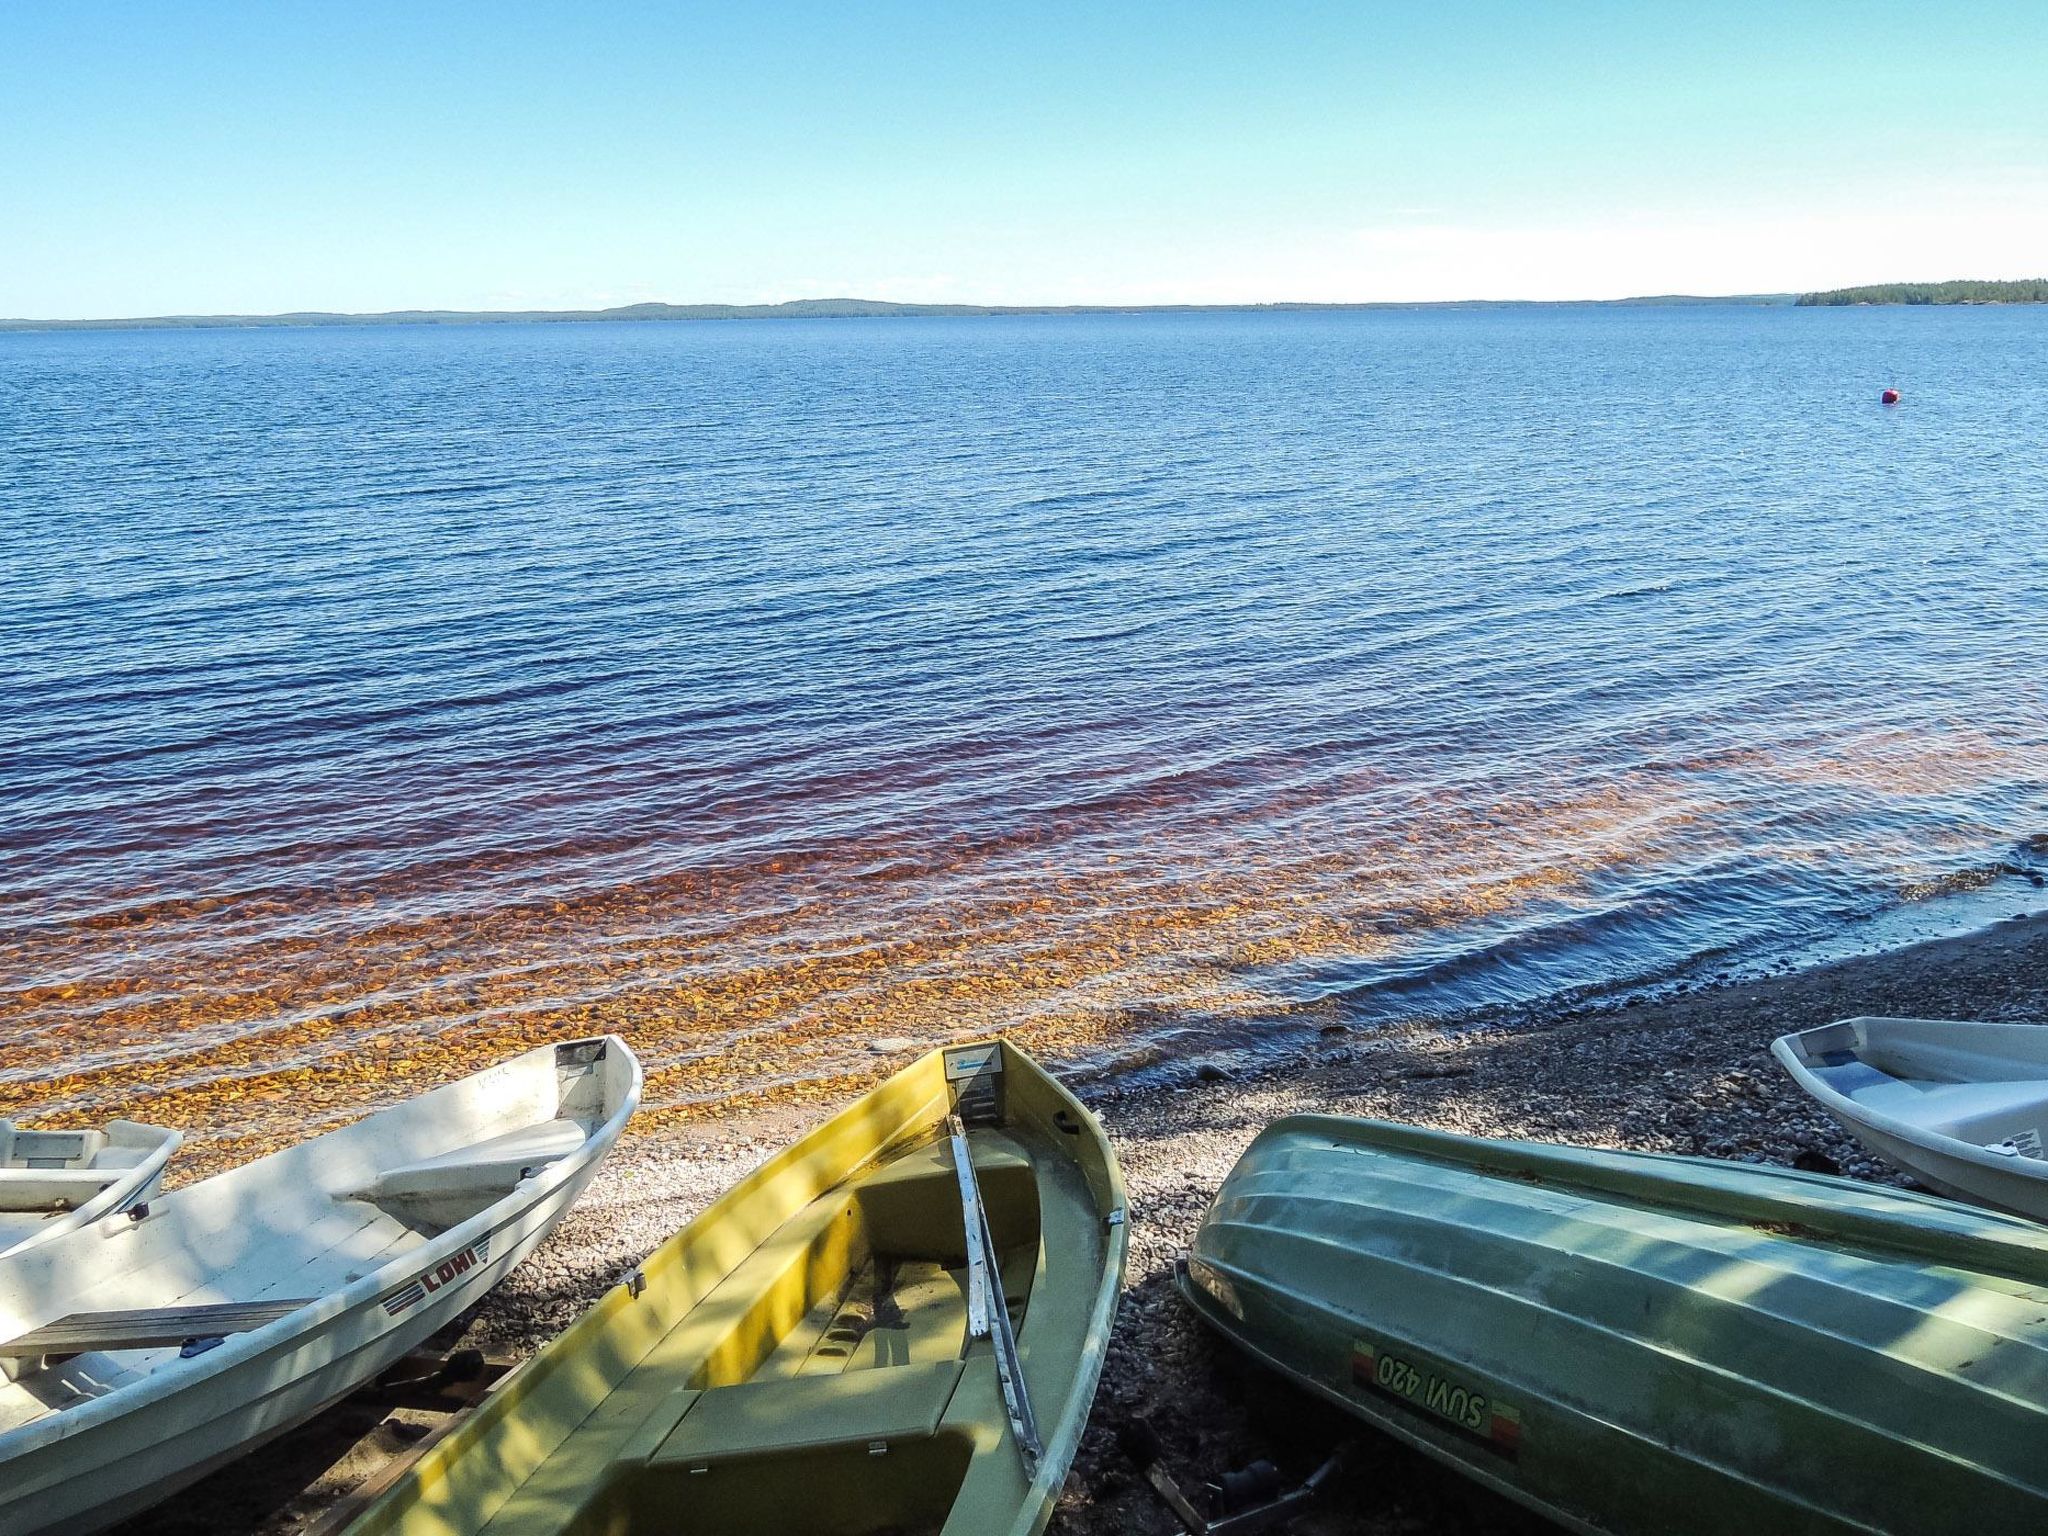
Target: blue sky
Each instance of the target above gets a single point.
(183, 157)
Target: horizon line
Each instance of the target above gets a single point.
(851, 308)
(829, 308)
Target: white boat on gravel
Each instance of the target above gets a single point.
(136, 1356)
(1962, 1107)
(53, 1182)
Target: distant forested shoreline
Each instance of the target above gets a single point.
(836, 309)
(2024, 291)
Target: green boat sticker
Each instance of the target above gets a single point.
(1466, 1409)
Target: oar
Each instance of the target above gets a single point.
(988, 1315)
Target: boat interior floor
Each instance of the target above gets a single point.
(828, 1383)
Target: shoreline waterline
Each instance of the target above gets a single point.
(219, 1134)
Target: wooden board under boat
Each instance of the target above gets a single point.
(1646, 1344)
(137, 1355)
(54, 1181)
(800, 1357)
(1961, 1106)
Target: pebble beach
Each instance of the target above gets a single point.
(1688, 1072)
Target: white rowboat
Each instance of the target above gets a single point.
(136, 1356)
(53, 1182)
(1963, 1107)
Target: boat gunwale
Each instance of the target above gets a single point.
(1059, 1453)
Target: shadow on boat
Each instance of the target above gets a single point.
(289, 1483)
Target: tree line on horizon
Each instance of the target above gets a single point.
(2020, 291)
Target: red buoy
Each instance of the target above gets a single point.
(1890, 397)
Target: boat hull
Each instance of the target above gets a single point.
(1639, 1344)
(140, 1459)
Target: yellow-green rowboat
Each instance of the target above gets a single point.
(858, 1338)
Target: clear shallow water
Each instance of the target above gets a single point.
(377, 700)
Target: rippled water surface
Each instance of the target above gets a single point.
(378, 701)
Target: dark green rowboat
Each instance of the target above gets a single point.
(1646, 1344)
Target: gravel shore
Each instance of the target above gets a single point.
(1686, 1073)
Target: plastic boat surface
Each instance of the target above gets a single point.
(1961, 1106)
(55, 1181)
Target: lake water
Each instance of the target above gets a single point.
(379, 701)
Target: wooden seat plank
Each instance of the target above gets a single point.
(146, 1327)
